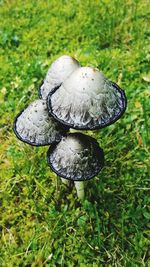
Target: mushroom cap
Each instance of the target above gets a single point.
(35, 127)
(87, 100)
(60, 69)
(76, 157)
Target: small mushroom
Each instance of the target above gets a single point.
(35, 127)
(77, 157)
(60, 69)
(87, 100)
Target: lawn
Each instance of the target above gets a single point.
(42, 222)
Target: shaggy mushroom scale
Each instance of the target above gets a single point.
(76, 157)
(35, 127)
(87, 100)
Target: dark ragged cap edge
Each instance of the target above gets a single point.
(52, 90)
(32, 143)
(71, 125)
(98, 151)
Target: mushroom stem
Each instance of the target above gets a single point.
(80, 189)
(64, 181)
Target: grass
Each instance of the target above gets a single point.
(42, 222)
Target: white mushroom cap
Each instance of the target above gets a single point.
(76, 157)
(60, 69)
(35, 127)
(87, 100)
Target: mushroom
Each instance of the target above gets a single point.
(77, 157)
(35, 127)
(87, 100)
(60, 69)
(72, 97)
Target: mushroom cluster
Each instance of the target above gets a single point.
(75, 97)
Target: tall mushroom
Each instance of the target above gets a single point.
(60, 69)
(35, 127)
(87, 100)
(77, 157)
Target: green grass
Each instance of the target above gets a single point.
(42, 222)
